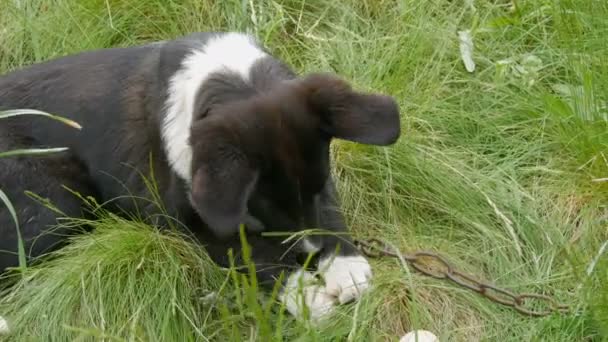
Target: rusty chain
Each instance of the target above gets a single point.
(422, 261)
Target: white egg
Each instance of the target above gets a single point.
(419, 336)
(3, 326)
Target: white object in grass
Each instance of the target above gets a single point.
(419, 336)
(3, 326)
(466, 49)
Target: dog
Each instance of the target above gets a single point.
(233, 134)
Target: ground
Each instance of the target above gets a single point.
(502, 169)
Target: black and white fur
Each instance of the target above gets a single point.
(235, 136)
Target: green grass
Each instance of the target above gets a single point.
(502, 170)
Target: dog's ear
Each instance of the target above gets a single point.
(346, 114)
(222, 182)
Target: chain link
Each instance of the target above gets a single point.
(436, 266)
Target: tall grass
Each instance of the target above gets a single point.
(123, 280)
(503, 170)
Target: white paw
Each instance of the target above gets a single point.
(301, 294)
(346, 277)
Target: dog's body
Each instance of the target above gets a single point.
(234, 137)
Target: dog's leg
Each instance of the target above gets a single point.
(303, 295)
(346, 272)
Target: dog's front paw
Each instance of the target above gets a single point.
(301, 294)
(346, 277)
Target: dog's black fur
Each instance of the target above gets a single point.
(260, 149)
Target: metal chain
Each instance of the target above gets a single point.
(436, 266)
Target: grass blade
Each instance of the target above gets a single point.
(19, 112)
(32, 151)
(20, 247)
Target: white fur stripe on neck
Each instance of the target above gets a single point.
(236, 52)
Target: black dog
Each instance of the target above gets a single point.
(235, 137)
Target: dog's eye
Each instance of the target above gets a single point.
(203, 113)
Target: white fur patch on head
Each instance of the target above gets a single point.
(300, 293)
(235, 52)
(3, 326)
(346, 277)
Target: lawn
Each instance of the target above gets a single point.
(503, 170)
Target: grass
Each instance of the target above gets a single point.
(502, 170)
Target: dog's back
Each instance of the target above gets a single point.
(115, 95)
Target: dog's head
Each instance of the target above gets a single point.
(268, 156)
